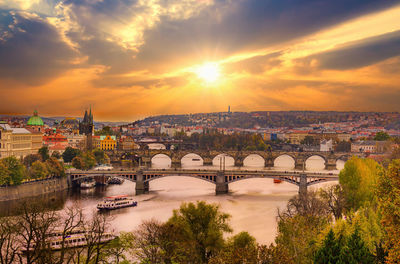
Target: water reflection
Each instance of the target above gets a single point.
(252, 203)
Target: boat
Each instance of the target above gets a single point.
(88, 184)
(74, 239)
(195, 159)
(115, 180)
(277, 181)
(116, 202)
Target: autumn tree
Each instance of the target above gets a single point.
(388, 194)
(203, 225)
(38, 170)
(16, 170)
(358, 179)
(44, 153)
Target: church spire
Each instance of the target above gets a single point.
(90, 115)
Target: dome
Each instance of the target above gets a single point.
(35, 120)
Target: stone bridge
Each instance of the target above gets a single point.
(239, 156)
(221, 179)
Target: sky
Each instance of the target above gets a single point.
(129, 59)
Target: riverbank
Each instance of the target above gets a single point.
(31, 189)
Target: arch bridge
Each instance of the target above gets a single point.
(299, 158)
(221, 179)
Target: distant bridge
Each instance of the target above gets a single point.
(269, 157)
(220, 178)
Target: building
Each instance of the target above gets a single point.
(127, 144)
(76, 141)
(35, 122)
(86, 128)
(108, 142)
(326, 145)
(367, 146)
(18, 142)
(71, 124)
(55, 142)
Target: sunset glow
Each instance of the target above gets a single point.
(127, 58)
(209, 72)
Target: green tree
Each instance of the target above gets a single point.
(241, 248)
(202, 224)
(381, 136)
(356, 251)
(56, 155)
(99, 155)
(5, 177)
(31, 158)
(38, 170)
(89, 160)
(358, 179)
(330, 251)
(388, 193)
(44, 153)
(78, 163)
(70, 153)
(16, 169)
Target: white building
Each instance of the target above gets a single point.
(326, 145)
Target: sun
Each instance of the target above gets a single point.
(209, 72)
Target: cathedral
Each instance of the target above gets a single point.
(86, 127)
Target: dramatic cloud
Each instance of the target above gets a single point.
(133, 58)
(32, 51)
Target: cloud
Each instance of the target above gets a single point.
(32, 51)
(359, 53)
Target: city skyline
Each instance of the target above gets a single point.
(131, 59)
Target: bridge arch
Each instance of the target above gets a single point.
(191, 159)
(254, 160)
(315, 162)
(229, 160)
(285, 160)
(161, 160)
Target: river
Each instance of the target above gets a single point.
(252, 203)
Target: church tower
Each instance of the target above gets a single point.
(86, 128)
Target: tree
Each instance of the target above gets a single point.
(78, 163)
(89, 160)
(56, 155)
(334, 198)
(355, 251)
(330, 251)
(16, 169)
(358, 179)
(9, 246)
(309, 140)
(343, 146)
(241, 248)
(381, 136)
(44, 153)
(5, 176)
(31, 158)
(203, 225)
(38, 170)
(99, 155)
(70, 153)
(388, 193)
(55, 168)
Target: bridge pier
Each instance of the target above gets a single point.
(207, 162)
(221, 186)
(238, 162)
(300, 164)
(142, 187)
(269, 163)
(330, 165)
(176, 164)
(303, 185)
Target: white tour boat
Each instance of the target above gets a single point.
(74, 239)
(88, 184)
(115, 202)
